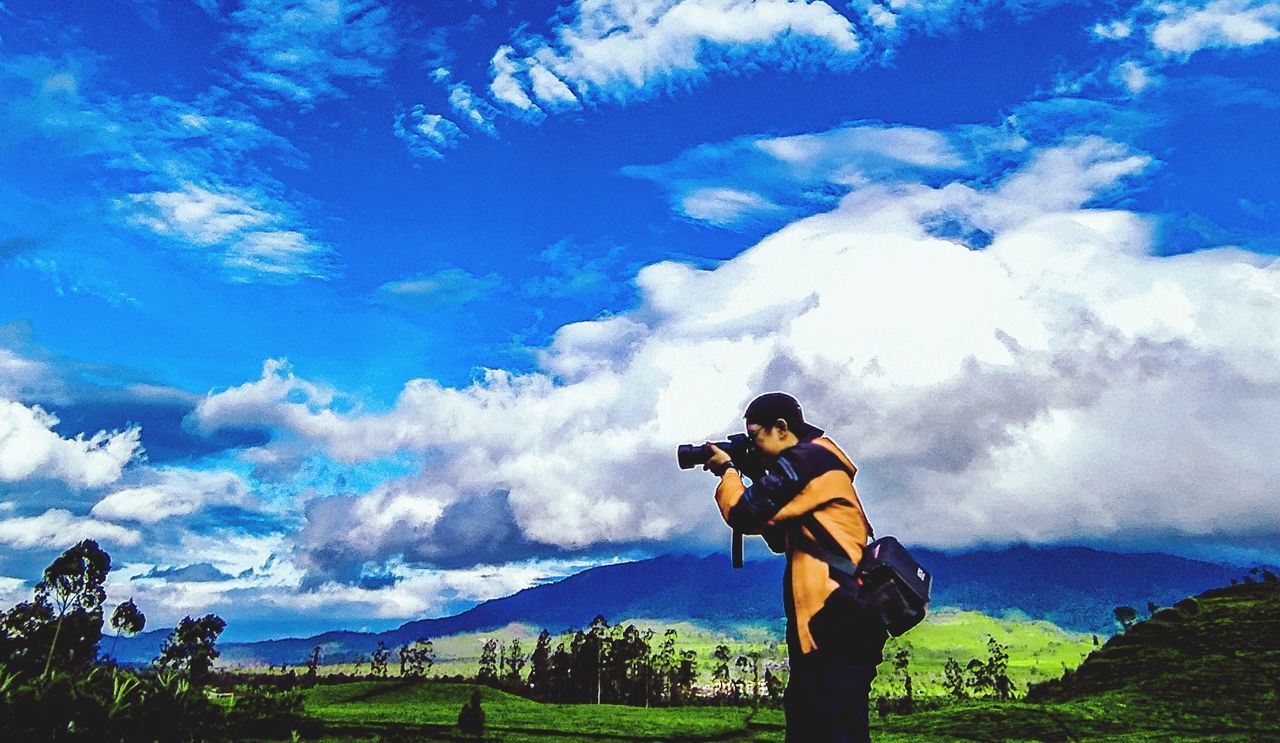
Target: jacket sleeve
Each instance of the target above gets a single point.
(748, 509)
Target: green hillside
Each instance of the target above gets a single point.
(1214, 657)
(1207, 668)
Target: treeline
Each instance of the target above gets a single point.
(56, 684)
(606, 664)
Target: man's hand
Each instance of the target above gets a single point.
(718, 462)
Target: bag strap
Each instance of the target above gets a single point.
(826, 548)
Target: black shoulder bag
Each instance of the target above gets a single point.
(888, 579)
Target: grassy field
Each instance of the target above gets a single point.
(392, 710)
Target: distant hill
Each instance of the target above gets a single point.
(1073, 587)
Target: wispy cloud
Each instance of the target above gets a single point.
(208, 192)
(755, 180)
(249, 229)
(475, 111)
(305, 50)
(58, 526)
(425, 134)
(449, 287)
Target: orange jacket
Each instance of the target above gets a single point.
(815, 478)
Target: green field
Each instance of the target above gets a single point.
(387, 710)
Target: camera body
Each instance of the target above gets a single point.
(739, 447)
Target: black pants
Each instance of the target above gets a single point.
(826, 698)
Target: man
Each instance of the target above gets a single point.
(806, 506)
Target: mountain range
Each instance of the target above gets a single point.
(1074, 587)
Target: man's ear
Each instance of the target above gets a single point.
(781, 425)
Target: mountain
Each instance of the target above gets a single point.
(1074, 587)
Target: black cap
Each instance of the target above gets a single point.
(768, 408)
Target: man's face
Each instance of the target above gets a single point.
(771, 441)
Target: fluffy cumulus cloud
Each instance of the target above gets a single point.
(1060, 380)
(615, 50)
(303, 50)
(30, 449)
(165, 493)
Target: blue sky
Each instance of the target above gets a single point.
(351, 312)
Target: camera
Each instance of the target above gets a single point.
(739, 447)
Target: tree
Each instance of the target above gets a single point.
(72, 586)
(665, 665)
(515, 663)
(954, 682)
(1126, 616)
(127, 620)
(488, 662)
(773, 686)
(313, 662)
(416, 659)
(190, 647)
(540, 667)
(992, 677)
(720, 672)
(901, 664)
(378, 662)
(686, 676)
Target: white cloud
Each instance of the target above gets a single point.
(303, 49)
(451, 287)
(13, 590)
(505, 86)
(550, 89)
(197, 214)
(723, 206)
(248, 229)
(617, 49)
(1114, 30)
(30, 449)
(1188, 28)
(472, 109)
(285, 254)
(59, 527)
(1132, 76)
(1061, 381)
(169, 492)
(427, 135)
(772, 178)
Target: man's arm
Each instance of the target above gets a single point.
(749, 509)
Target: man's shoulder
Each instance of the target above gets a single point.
(809, 460)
